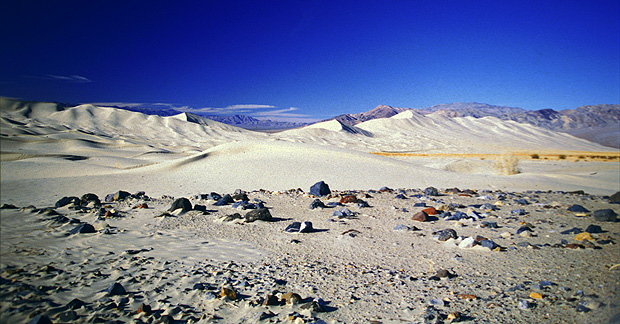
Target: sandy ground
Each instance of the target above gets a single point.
(358, 268)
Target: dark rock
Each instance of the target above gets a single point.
(400, 196)
(266, 315)
(291, 298)
(166, 319)
(75, 304)
(385, 189)
(8, 206)
(317, 203)
(258, 214)
(489, 225)
(293, 228)
(87, 198)
(40, 319)
(232, 217)
(144, 308)
(524, 304)
(443, 273)
(200, 286)
(60, 219)
(488, 244)
(343, 213)
(68, 316)
(116, 289)
(214, 196)
(181, 203)
(270, 300)
(578, 209)
(446, 234)
(605, 215)
(574, 230)
(313, 306)
(320, 189)
(200, 208)
(420, 216)
(615, 198)
(306, 227)
(594, 229)
(64, 201)
(431, 191)
(226, 200)
(83, 228)
(518, 212)
(120, 195)
(420, 204)
(240, 196)
(522, 201)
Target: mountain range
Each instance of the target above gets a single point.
(596, 123)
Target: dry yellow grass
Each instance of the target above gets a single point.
(541, 156)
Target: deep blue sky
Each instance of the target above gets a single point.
(309, 58)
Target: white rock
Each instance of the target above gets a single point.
(467, 243)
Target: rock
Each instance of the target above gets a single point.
(437, 302)
(522, 201)
(182, 203)
(313, 306)
(430, 211)
(68, 316)
(166, 319)
(488, 244)
(489, 225)
(298, 227)
(228, 293)
(291, 298)
(574, 246)
(446, 234)
(431, 191)
(431, 315)
(524, 304)
(536, 295)
(574, 230)
(578, 209)
(75, 304)
(584, 236)
(469, 297)
(40, 319)
(64, 201)
(518, 212)
(419, 204)
(8, 206)
(594, 229)
(144, 308)
(116, 289)
(605, 215)
(232, 217)
(443, 273)
(214, 196)
(348, 199)
(343, 213)
(258, 214)
(240, 195)
(320, 189)
(524, 229)
(83, 228)
(467, 243)
(120, 195)
(317, 203)
(88, 198)
(270, 300)
(420, 216)
(615, 198)
(400, 196)
(226, 200)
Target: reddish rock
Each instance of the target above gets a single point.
(348, 199)
(143, 205)
(574, 246)
(420, 216)
(466, 296)
(430, 211)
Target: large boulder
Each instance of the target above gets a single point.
(320, 189)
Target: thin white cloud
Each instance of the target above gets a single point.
(71, 78)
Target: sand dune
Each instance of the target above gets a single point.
(63, 147)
